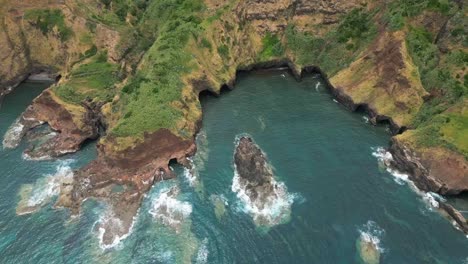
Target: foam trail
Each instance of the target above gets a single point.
(34, 196)
(385, 157)
(13, 135)
(167, 209)
(276, 209)
(110, 221)
(372, 233)
(366, 119)
(191, 174)
(202, 255)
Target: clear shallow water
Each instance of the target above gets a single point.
(319, 150)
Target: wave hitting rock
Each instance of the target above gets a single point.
(266, 199)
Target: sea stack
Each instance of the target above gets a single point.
(265, 199)
(253, 169)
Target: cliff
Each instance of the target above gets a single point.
(131, 72)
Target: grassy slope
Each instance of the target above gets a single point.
(443, 119)
(181, 38)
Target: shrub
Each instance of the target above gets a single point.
(206, 43)
(223, 50)
(354, 25)
(47, 19)
(272, 47)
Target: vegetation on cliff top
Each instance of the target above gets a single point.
(49, 19)
(339, 47)
(147, 101)
(442, 120)
(94, 79)
(155, 40)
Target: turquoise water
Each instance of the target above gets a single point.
(321, 152)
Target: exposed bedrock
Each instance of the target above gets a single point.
(72, 125)
(252, 166)
(135, 170)
(434, 170)
(264, 198)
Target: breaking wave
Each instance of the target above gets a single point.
(34, 196)
(273, 210)
(108, 222)
(13, 135)
(317, 85)
(432, 199)
(170, 211)
(366, 119)
(385, 157)
(191, 174)
(372, 233)
(197, 162)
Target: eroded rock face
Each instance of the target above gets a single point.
(71, 126)
(266, 199)
(135, 170)
(432, 169)
(252, 165)
(435, 170)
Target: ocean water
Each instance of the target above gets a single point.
(336, 192)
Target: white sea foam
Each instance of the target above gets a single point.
(275, 209)
(34, 196)
(385, 157)
(366, 119)
(317, 85)
(261, 120)
(53, 183)
(191, 174)
(202, 255)
(109, 220)
(13, 135)
(432, 199)
(372, 233)
(170, 211)
(26, 156)
(334, 100)
(166, 256)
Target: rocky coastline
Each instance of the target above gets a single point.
(139, 167)
(240, 41)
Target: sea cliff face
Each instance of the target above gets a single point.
(131, 75)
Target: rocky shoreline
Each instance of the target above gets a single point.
(139, 167)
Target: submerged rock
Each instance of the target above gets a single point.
(169, 210)
(368, 252)
(219, 203)
(34, 196)
(264, 198)
(368, 243)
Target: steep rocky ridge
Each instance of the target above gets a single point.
(143, 67)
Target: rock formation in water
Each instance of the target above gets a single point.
(263, 197)
(368, 252)
(254, 171)
(132, 78)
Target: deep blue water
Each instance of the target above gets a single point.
(319, 150)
